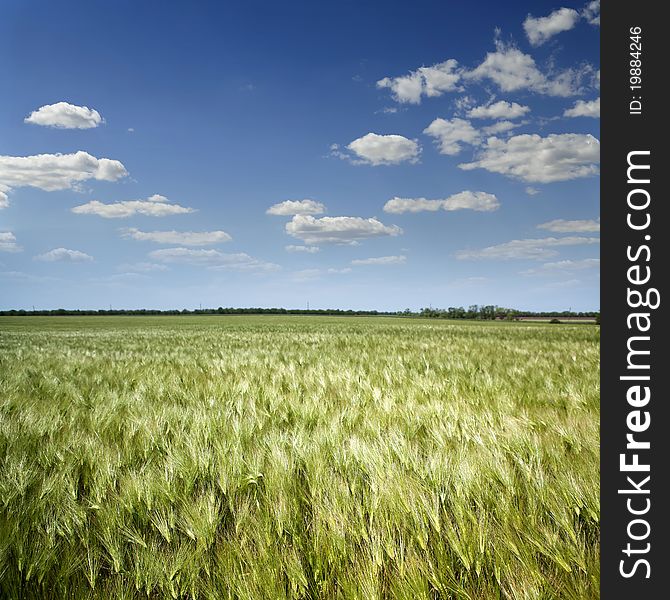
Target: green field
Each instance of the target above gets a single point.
(298, 457)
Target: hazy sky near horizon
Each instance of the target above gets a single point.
(377, 155)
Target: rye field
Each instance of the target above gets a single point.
(298, 458)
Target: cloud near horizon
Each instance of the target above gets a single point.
(564, 266)
(212, 259)
(528, 249)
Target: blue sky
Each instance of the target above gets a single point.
(437, 153)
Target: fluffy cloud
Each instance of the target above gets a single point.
(531, 191)
(539, 30)
(591, 12)
(532, 158)
(305, 249)
(425, 81)
(512, 70)
(289, 208)
(154, 206)
(57, 171)
(8, 242)
(374, 149)
(583, 108)
(450, 134)
(184, 238)
(64, 255)
(337, 230)
(466, 200)
(65, 116)
(212, 259)
(532, 249)
(4, 199)
(564, 266)
(380, 260)
(563, 226)
(499, 110)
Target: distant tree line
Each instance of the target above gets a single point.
(490, 312)
(486, 312)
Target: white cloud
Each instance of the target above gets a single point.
(4, 199)
(380, 260)
(337, 230)
(288, 208)
(591, 12)
(584, 108)
(477, 201)
(154, 206)
(425, 81)
(499, 110)
(466, 200)
(532, 158)
(374, 149)
(531, 191)
(305, 249)
(212, 259)
(65, 116)
(500, 127)
(64, 255)
(530, 249)
(512, 70)
(564, 266)
(57, 171)
(450, 134)
(142, 267)
(399, 206)
(539, 30)
(8, 242)
(563, 226)
(184, 238)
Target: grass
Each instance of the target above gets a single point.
(298, 457)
